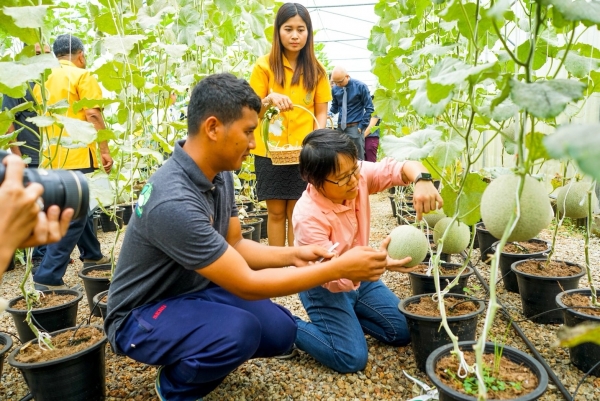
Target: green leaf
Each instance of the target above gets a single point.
(546, 99)
(577, 142)
(449, 73)
(122, 44)
(539, 55)
(415, 146)
(228, 32)
(93, 103)
(577, 10)
(27, 16)
(586, 332)
(470, 199)
(438, 92)
(42, 121)
(225, 5)
(105, 135)
(256, 19)
(534, 142)
(112, 75)
(377, 41)
(497, 11)
(81, 133)
(14, 76)
(107, 23)
(447, 151)
(6, 119)
(188, 25)
(425, 107)
(578, 65)
(387, 71)
(385, 104)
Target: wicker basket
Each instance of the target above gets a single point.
(286, 155)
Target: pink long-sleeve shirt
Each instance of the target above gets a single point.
(319, 221)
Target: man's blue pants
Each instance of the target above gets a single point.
(203, 336)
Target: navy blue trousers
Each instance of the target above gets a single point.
(202, 337)
(57, 255)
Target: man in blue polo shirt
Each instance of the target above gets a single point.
(189, 293)
(352, 101)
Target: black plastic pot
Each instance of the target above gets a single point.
(49, 319)
(247, 232)
(427, 335)
(128, 210)
(421, 283)
(263, 214)
(248, 204)
(393, 202)
(5, 346)
(586, 355)
(538, 293)
(108, 224)
(77, 377)
(507, 259)
(257, 224)
(447, 394)
(101, 305)
(94, 285)
(486, 240)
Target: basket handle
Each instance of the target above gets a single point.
(266, 122)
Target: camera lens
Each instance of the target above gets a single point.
(65, 188)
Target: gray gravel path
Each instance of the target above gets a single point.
(303, 378)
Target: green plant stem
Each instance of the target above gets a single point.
(564, 57)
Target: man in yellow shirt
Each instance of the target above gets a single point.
(71, 82)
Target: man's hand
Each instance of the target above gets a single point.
(310, 253)
(363, 263)
(426, 198)
(396, 265)
(107, 161)
(51, 227)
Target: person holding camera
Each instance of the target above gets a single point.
(22, 223)
(189, 293)
(72, 82)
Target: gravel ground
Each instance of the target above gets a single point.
(302, 378)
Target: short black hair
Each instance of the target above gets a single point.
(67, 44)
(319, 154)
(222, 96)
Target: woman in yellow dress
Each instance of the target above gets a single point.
(290, 75)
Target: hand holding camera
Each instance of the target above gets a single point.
(22, 221)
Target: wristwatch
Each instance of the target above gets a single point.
(424, 177)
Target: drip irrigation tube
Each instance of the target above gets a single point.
(521, 334)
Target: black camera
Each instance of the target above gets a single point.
(64, 188)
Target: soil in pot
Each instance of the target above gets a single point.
(509, 381)
(247, 232)
(95, 279)
(263, 214)
(423, 319)
(73, 371)
(515, 251)
(586, 355)
(57, 310)
(255, 222)
(540, 281)
(486, 240)
(421, 283)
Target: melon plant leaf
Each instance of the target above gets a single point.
(577, 10)
(587, 332)
(387, 71)
(378, 43)
(425, 107)
(93, 103)
(107, 23)
(385, 105)
(449, 73)
(41, 121)
(122, 44)
(188, 25)
(577, 142)
(446, 151)
(470, 199)
(546, 99)
(14, 76)
(415, 146)
(27, 16)
(225, 5)
(579, 66)
(256, 19)
(534, 142)
(81, 133)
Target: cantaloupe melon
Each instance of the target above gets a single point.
(457, 239)
(499, 202)
(408, 241)
(572, 200)
(433, 217)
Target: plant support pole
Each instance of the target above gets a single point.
(521, 334)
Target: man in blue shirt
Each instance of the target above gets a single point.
(352, 100)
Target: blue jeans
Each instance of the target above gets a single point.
(57, 256)
(336, 334)
(202, 337)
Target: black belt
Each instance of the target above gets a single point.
(351, 124)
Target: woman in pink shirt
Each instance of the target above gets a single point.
(335, 208)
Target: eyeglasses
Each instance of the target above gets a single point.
(339, 82)
(346, 179)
